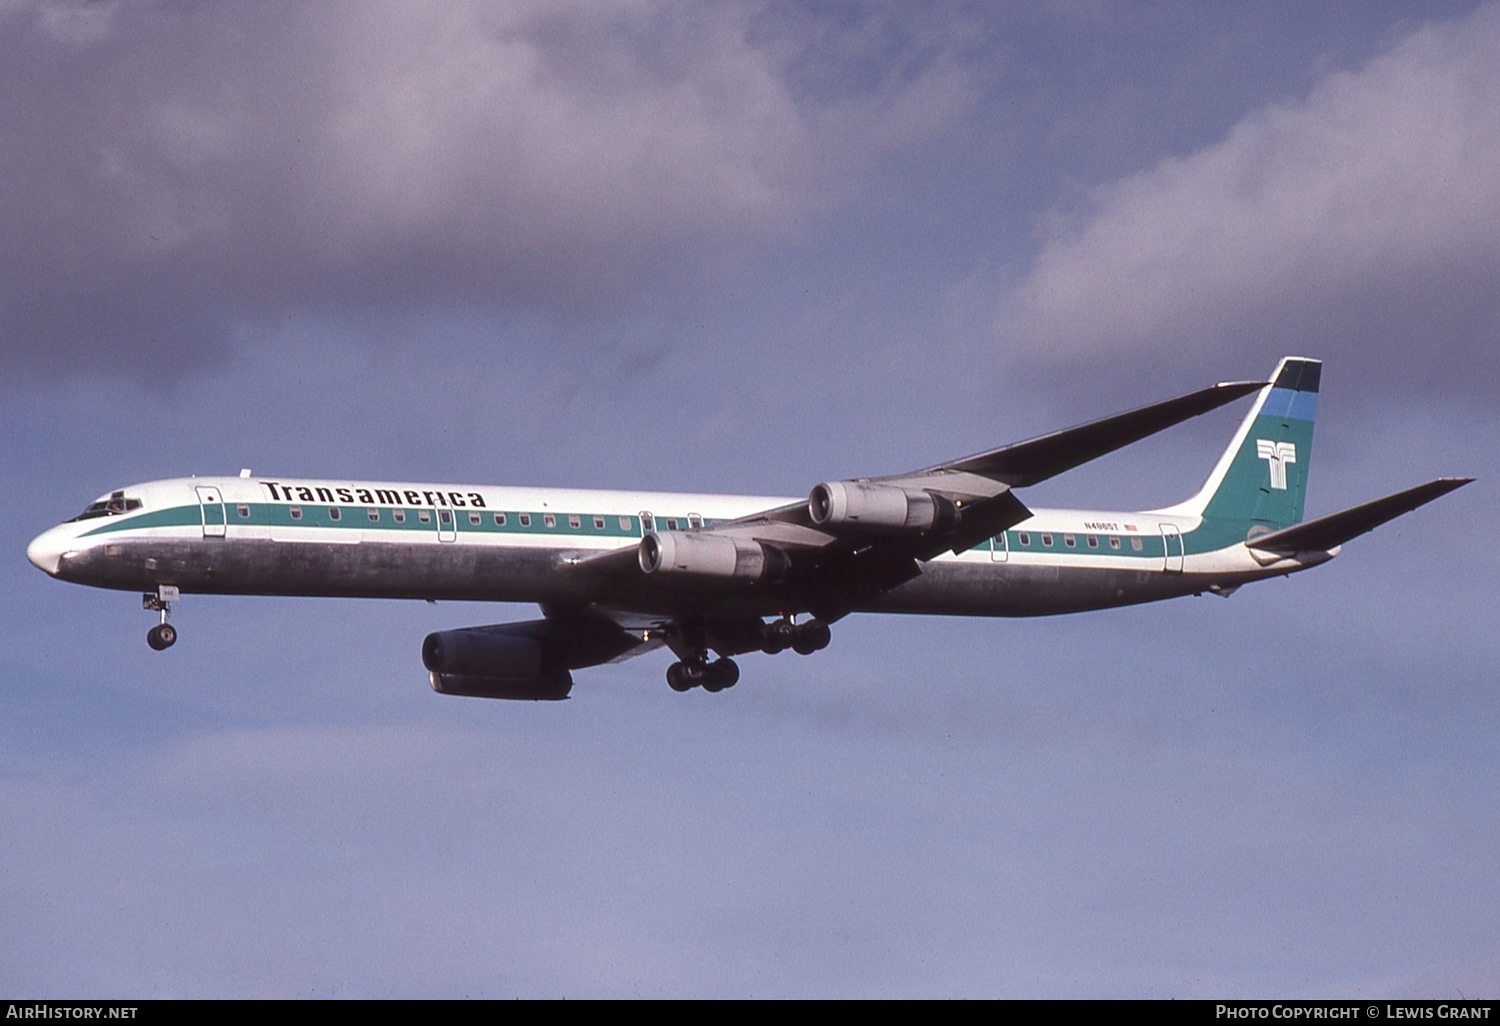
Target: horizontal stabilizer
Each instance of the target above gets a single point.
(1026, 463)
(1325, 533)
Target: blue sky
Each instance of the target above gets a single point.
(749, 247)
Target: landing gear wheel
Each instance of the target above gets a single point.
(723, 673)
(162, 636)
(779, 637)
(677, 680)
(812, 636)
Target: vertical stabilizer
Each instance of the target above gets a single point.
(1262, 476)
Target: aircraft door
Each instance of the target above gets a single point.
(211, 503)
(1171, 540)
(1000, 547)
(447, 525)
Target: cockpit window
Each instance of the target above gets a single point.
(113, 506)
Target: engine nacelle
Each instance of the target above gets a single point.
(481, 652)
(879, 507)
(526, 661)
(493, 663)
(710, 555)
(550, 687)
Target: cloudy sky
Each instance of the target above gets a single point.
(748, 247)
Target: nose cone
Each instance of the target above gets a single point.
(46, 549)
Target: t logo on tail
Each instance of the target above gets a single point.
(1277, 455)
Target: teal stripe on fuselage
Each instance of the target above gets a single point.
(279, 515)
(266, 514)
(175, 516)
(1210, 536)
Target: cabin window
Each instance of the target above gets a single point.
(1024, 538)
(373, 514)
(474, 519)
(548, 520)
(243, 510)
(499, 519)
(1070, 541)
(1047, 540)
(1114, 541)
(1093, 541)
(574, 521)
(671, 523)
(598, 522)
(296, 512)
(648, 522)
(1135, 543)
(445, 517)
(398, 515)
(694, 520)
(334, 513)
(525, 519)
(424, 515)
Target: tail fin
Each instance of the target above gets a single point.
(1262, 476)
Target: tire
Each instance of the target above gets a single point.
(161, 637)
(728, 673)
(779, 637)
(676, 679)
(818, 635)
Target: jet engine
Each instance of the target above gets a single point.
(528, 661)
(877, 507)
(710, 555)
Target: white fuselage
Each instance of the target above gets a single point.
(247, 535)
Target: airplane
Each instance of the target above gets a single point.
(711, 577)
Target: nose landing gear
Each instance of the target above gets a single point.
(163, 636)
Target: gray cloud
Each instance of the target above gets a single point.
(1362, 223)
(173, 168)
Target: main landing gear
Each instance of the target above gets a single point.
(713, 676)
(163, 635)
(691, 643)
(802, 638)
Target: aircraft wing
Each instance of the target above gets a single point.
(1027, 463)
(1325, 533)
(979, 486)
(868, 534)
